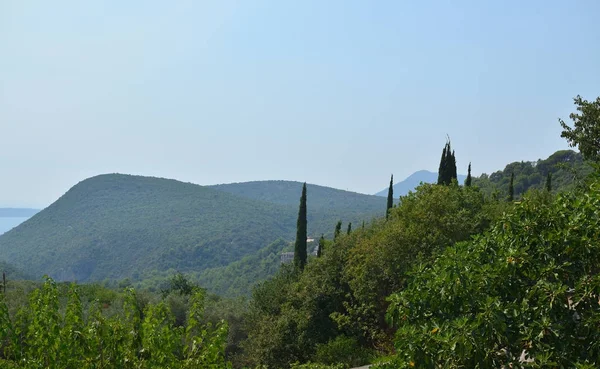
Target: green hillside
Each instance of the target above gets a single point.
(12, 272)
(120, 226)
(325, 201)
(238, 278)
(566, 167)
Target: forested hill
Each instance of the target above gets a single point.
(288, 193)
(565, 166)
(116, 226)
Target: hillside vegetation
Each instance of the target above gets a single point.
(325, 202)
(120, 226)
(238, 278)
(566, 167)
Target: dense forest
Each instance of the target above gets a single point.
(501, 271)
(116, 227)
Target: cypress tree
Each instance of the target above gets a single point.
(301, 233)
(338, 230)
(511, 188)
(363, 225)
(349, 228)
(442, 168)
(321, 246)
(453, 174)
(447, 170)
(390, 198)
(549, 182)
(469, 179)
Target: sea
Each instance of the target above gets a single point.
(8, 223)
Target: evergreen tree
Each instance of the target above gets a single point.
(442, 168)
(363, 225)
(447, 170)
(453, 173)
(338, 230)
(469, 179)
(390, 198)
(511, 187)
(349, 228)
(301, 233)
(549, 182)
(321, 246)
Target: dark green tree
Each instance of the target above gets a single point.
(585, 134)
(349, 228)
(390, 198)
(549, 182)
(301, 233)
(321, 246)
(451, 166)
(511, 187)
(338, 230)
(447, 170)
(469, 179)
(442, 168)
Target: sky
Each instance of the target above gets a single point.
(338, 93)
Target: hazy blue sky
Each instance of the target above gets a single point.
(339, 93)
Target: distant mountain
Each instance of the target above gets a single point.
(17, 212)
(120, 226)
(411, 182)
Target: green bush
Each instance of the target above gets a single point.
(42, 335)
(343, 350)
(523, 295)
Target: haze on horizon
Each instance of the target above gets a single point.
(336, 93)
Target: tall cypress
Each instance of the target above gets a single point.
(390, 198)
(447, 170)
(469, 179)
(442, 168)
(321, 246)
(338, 230)
(349, 228)
(511, 187)
(453, 174)
(301, 233)
(549, 182)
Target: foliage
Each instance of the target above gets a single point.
(511, 187)
(447, 170)
(390, 197)
(238, 278)
(585, 133)
(339, 300)
(321, 246)
(12, 272)
(301, 233)
(469, 179)
(317, 366)
(338, 230)
(41, 336)
(119, 226)
(524, 294)
(343, 350)
(566, 167)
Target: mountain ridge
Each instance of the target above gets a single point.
(119, 226)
